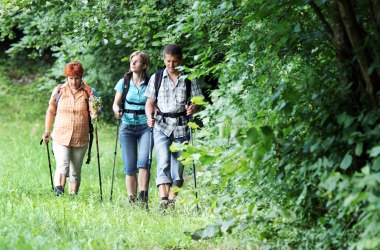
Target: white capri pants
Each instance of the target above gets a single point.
(69, 161)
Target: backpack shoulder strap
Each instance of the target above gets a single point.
(157, 81)
(157, 84)
(87, 90)
(57, 96)
(127, 83)
(188, 89)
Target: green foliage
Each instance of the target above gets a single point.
(280, 122)
(288, 150)
(95, 33)
(33, 218)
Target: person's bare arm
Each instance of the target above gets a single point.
(149, 109)
(49, 118)
(116, 105)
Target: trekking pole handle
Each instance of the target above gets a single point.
(42, 140)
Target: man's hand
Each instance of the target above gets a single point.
(151, 121)
(191, 109)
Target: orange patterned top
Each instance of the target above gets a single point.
(71, 126)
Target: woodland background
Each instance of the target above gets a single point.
(288, 149)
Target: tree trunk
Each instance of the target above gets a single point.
(356, 37)
(344, 56)
(343, 46)
(320, 16)
(375, 9)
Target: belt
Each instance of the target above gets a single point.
(171, 115)
(136, 112)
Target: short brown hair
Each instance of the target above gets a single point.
(173, 49)
(74, 69)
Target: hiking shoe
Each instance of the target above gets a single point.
(171, 204)
(58, 190)
(143, 199)
(143, 196)
(144, 205)
(163, 205)
(132, 199)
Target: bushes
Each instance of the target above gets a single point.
(289, 143)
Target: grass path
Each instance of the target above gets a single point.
(31, 217)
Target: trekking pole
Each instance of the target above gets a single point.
(97, 154)
(48, 154)
(194, 171)
(150, 151)
(114, 159)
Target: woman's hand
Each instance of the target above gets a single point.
(46, 137)
(118, 114)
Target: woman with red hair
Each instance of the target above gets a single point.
(70, 106)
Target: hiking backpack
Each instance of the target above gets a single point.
(127, 84)
(157, 84)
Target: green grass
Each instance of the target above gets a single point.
(31, 217)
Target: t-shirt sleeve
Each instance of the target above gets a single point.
(195, 89)
(119, 86)
(150, 90)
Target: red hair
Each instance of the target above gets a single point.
(74, 69)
